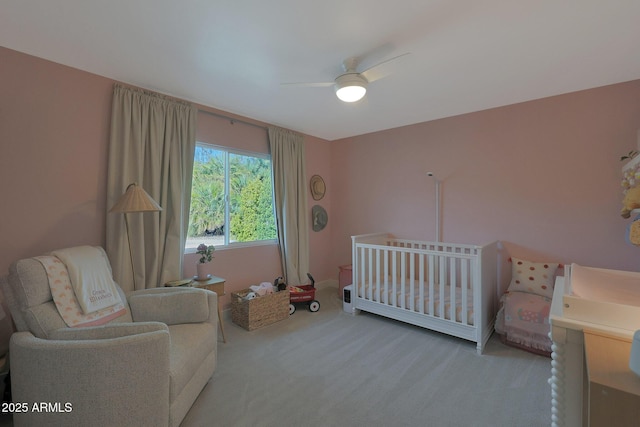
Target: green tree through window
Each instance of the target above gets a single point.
(231, 197)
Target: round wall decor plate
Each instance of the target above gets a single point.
(318, 188)
(319, 217)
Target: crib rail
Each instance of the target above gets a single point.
(450, 288)
(419, 277)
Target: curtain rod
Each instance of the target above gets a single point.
(232, 120)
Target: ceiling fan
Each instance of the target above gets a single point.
(351, 85)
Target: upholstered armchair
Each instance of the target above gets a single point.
(143, 368)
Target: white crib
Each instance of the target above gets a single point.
(449, 288)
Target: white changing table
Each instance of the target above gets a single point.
(569, 386)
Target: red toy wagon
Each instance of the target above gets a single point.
(303, 293)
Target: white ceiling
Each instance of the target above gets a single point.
(466, 55)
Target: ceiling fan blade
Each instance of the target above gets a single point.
(382, 69)
(303, 84)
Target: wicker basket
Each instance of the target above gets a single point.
(258, 312)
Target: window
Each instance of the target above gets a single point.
(231, 198)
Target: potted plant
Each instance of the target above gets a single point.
(206, 255)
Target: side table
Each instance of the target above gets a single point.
(215, 284)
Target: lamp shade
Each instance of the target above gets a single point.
(135, 199)
(351, 87)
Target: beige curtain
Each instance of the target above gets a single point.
(290, 194)
(152, 143)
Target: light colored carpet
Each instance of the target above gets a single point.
(333, 369)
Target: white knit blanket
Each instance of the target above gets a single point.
(91, 277)
(65, 299)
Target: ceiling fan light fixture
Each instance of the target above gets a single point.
(351, 87)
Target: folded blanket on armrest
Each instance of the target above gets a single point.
(66, 301)
(91, 277)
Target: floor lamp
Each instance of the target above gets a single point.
(135, 199)
(438, 209)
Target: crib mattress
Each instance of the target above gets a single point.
(387, 298)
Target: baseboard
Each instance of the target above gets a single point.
(329, 283)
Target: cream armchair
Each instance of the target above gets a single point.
(144, 368)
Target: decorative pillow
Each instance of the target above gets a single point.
(532, 277)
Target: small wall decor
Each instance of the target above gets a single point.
(318, 187)
(319, 217)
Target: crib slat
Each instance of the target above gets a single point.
(364, 273)
(363, 278)
(464, 283)
(373, 273)
(452, 289)
(443, 275)
(421, 283)
(394, 278)
(386, 276)
(412, 279)
(371, 281)
(377, 280)
(403, 278)
(432, 279)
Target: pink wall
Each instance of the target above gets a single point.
(54, 131)
(541, 176)
(321, 264)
